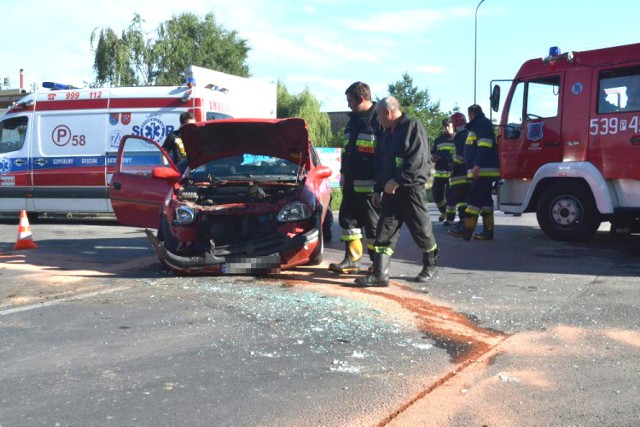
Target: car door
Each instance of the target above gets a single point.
(143, 176)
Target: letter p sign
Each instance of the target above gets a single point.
(61, 135)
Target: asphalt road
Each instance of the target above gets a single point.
(518, 331)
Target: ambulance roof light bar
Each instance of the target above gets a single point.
(57, 86)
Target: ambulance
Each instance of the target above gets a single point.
(569, 141)
(58, 147)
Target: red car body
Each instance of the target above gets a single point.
(252, 200)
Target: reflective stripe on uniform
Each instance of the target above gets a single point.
(366, 143)
(457, 180)
(485, 142)
(350, 234)
(472, 210)
(399, 162)
(442, 174)
(363, 185)
(485, 172)
(383, 250)
(471, 139)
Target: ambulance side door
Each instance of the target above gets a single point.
(142, 178)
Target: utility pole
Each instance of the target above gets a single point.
(475, 55)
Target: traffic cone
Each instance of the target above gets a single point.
(25, 241)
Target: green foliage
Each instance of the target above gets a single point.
(138, 59)
(306, 106)
(417, 104)
(336, 199)
(336, 140)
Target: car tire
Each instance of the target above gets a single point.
(164, 235)
(327, 233)
(567, 211)
(316, 255)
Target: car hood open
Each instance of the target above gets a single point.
(284, 138)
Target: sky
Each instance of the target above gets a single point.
(326, 45)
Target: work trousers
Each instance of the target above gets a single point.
(439, 191)
(480, 200)
(357, 213)
(408, 205)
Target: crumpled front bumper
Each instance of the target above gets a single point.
(256, 257)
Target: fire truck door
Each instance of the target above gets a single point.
(532, 135)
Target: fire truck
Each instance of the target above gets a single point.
(58, 147)
(569, 141)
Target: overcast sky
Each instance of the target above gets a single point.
(328, 44)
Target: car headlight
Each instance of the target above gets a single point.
(295, 211)
(184, 215)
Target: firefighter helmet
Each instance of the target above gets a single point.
(458, 120)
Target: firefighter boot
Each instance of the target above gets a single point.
(429, 267)
(351, 262)
(487, 228)
(380, 275)
(466, 231)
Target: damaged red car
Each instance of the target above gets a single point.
(253, 199)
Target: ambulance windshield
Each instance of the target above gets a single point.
(12, 134)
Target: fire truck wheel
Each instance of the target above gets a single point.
(567, 211)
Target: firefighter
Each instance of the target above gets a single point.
(403, 166)
(458, 182)
(173, 143)
(357, 177)
(442, 152)
(483, 169)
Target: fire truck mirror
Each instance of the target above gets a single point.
(495, 98)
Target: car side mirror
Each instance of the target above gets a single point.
(164, 172)
(323, 172)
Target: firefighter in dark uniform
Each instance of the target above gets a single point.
(458, 182)
(173, 143)
(357, 211)
(442, 151)
(483, 170)
(403, 166)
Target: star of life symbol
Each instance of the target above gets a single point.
(153, 128)
(5, 166)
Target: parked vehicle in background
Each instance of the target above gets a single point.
(253, 199)
(569, 138)
(58, 147)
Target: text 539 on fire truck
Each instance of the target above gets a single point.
(569, 141)
(58, 147)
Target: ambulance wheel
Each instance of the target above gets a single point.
(567, 211)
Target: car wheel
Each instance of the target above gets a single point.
(567, 211)
(316, 255)
(164, 235)
(326, 226)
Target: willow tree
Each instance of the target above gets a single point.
(306, 106)
(137, 58)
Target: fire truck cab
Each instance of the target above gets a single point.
(569, 141)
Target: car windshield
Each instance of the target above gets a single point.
(248, 166)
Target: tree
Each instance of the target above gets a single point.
(135, 58)
(417, 104)
(306, 106)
